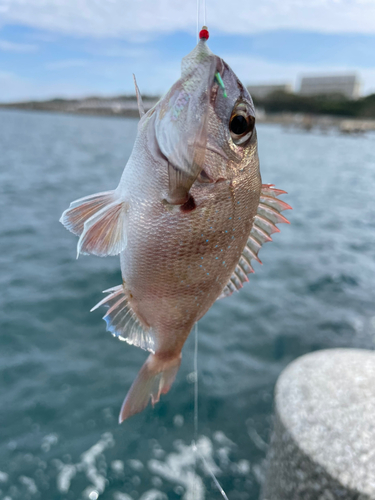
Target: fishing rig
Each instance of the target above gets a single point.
(204, 34)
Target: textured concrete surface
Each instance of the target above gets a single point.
(323, 444)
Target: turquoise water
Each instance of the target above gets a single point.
(63, 377)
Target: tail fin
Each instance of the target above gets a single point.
(100, 222)
(155, 377)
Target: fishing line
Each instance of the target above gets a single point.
(201, 24)
(197, 20)
(201, 16)
(195, 448)
(195, 400)
(210, 471)
(196, 383)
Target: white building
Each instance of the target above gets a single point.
(347, 85)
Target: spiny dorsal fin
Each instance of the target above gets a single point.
(122, 321)
(100, 222)
(141, 107)
(268, 215)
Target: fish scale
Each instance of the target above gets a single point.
(188, 217)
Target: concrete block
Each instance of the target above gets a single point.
(323, 444)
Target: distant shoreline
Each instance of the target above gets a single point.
(126, 107)
(91, 112)
(119, 106)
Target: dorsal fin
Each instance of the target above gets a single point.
(268, 215)
(141, 107)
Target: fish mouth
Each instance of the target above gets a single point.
(220, 179)
(205, 175)
(214, 149)
(218, 151)
(205, 178)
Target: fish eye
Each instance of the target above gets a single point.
(241, 123)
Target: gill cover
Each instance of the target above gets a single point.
(182, 121)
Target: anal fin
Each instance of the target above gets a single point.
(158, 372)
(122, 321)
(268, 215)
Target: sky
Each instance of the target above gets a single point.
(76, 48)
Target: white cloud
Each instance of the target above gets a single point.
(120, 51)
(252, 70)
(66, 64)
(7, 46)
(153, 79)
(16, 88)
(137, 19)
(6, 75)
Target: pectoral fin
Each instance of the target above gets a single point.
(100, 220)
(267, 216)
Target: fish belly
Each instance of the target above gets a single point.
(176, 264)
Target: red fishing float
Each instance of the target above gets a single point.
(204, 33)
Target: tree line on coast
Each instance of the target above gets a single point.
(277, 102)
(333, 104)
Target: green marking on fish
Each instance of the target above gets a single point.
(221, 83)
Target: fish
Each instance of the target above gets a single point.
(187, 219)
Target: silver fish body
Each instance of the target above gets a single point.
(189, 215)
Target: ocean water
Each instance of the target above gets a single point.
(63, 377)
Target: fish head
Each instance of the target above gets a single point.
(231, 146)
(204, 125)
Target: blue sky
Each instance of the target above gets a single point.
(73, 48)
